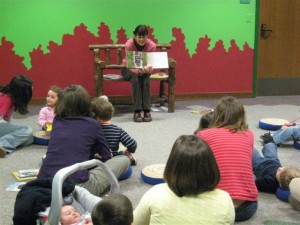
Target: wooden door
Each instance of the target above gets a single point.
(278, 62)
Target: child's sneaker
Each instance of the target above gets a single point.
(132, 161)
(3, 152)
(130, 156)
(267, 138)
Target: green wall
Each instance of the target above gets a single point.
(30, 23)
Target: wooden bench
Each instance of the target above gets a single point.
(112, 56)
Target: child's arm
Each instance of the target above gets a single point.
(128, 141)
(102, 148)
(85, 198)
(42, 119)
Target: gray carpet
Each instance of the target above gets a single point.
(155, 140)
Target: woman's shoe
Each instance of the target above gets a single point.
(137, 117)
(147, 117)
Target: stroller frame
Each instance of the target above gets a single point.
(62, 174)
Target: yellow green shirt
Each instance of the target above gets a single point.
(160, 205)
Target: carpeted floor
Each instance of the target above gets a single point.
(155, 140)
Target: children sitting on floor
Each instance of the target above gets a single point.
(268, 171)
(103, 110)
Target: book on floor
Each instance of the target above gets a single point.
(15, 186)
(26, 175)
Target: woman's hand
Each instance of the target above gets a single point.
(148, 69)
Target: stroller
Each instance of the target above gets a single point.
(52, 215)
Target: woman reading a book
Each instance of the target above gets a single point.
(140, 78)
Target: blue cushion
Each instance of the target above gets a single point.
(297, 145)
(271, 123)
(153, 174)
(283, 194)
(40, 138)
(126, 174)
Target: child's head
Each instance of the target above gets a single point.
(205, 121)
(230, 113)
(75, 101)
(53, 95)
(193, 156)
(102, 109)
(69, 215)
(114, 209)
(286, 174)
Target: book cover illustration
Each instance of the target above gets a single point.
(15, 186)
(138, 60)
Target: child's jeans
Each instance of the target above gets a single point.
(269, 152)
(289, 134)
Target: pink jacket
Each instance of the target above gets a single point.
(46, 115)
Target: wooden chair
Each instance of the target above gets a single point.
(108, 51)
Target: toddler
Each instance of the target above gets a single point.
(205, 120)
(47, 113)
(103, 110)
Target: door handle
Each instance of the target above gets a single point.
(264, 30)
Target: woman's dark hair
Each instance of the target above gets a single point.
(20, 90)
(205, 121)
(191, 168)
(140, 30)
(230, 113)
(114, 209)
(75, 101)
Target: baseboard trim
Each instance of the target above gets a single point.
(127, 100)
(278, 86)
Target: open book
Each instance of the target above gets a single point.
(158, 60)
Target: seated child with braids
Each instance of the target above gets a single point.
(103, 110)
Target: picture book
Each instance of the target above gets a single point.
(138, 60)
(14, 186)
(25, 175)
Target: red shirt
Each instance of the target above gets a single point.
(233, 152)
(6, 106)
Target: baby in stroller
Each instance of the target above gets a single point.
(70, 216)
(36, 196)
